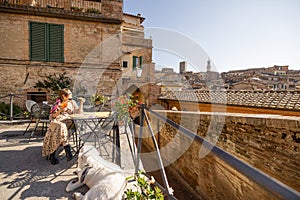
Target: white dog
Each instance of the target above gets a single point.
(105, 180)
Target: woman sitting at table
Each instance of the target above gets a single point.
(57, 133)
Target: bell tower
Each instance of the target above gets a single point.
(208, 67)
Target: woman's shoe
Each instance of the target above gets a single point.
(68, 152)
(53, 158)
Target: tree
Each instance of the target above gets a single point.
(54, 82)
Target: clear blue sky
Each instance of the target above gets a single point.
(235, 34)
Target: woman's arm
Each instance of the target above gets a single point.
(81, 102)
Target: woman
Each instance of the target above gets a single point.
(57, 133)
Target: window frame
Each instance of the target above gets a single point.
(137, 61)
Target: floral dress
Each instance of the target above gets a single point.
(57, 133)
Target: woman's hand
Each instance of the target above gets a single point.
(61, 109)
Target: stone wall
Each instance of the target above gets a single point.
(269, 143)
(80, 38)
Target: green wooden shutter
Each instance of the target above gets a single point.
(56, 43)
(134, 62)
(37, 41)
(141, 61)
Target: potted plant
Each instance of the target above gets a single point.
(92, 10)
(144, 188)
(99, 99)
(125, 105)
(76, 9)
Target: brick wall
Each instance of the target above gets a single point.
(268, 142)
(80, 38)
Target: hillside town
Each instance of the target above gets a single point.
(275, 78)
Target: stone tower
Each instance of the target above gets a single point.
(182, 67)
(208, 67)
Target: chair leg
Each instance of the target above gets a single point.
(44, 128)
(36, 125)
(27, 128)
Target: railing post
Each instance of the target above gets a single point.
(11, 112)
(139, 147)
(159, 158)
(118, 157)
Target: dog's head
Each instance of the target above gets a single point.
(85, 152)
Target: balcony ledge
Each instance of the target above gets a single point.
(56, 13)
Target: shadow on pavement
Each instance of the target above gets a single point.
(24, 173)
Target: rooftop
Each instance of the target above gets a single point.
(288, 100)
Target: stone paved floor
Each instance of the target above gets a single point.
(25, 174)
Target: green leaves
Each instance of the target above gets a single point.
(54, 82)
(125, 105)
(144, 189)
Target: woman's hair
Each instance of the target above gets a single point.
(63, 92)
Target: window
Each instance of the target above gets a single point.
(137, 61)
(37, 96)
(46, 42)
(125, 64)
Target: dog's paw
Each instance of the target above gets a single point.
(71, 185)
(77, 195)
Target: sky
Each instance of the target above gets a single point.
(233, 34)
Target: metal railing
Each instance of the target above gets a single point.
(268, 183)
(165, 188)
(19, 100)
(11, 116)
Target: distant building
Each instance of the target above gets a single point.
(168, 70)
(271, 78)
(182, 67)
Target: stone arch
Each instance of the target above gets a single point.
(131, 89)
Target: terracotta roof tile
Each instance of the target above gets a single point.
(266, 99)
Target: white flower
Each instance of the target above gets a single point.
(171, 191)
(152, 180)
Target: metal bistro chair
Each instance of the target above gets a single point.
(29, 104)
(40, 113)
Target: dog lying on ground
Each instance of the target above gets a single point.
(104, 179)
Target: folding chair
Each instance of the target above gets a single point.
(29, 104)
(40, 113)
